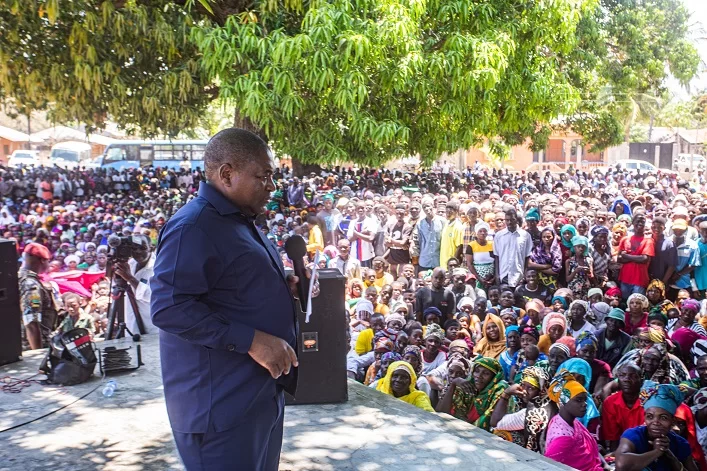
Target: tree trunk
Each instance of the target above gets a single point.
(243, 122)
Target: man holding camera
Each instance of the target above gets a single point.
(137, 272)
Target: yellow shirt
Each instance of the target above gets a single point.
(364, 342)
(452, 237)
(316, 241)
(386, 279)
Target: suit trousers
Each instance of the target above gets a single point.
(252, 445)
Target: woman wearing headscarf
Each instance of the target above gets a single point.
(577, 321)
(527, 426)
(587, 345)
(688, 312)
(507, 357)
(567, 232)
(546, 258)
(386, 360)
(686, 339)
(432, 355)
(473, 399)
(381, 346)
(400, 381)
(658, 365)
(479, 256)
(655, 446)
(582, 224)
(553, 328)
(568, 441)
(579, 268)
(655, 293)
(494, 341)
(354, 291)
(582, 372)
(636, 314)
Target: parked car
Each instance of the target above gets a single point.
(70, 155)
(643, 166)
(23, 158)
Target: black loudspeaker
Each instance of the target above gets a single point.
(10, 316)
(322, 345)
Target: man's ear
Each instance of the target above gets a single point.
(225, 173)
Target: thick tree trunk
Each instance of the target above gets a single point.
(243, 122)
(298, 168)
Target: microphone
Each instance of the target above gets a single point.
(296, 249)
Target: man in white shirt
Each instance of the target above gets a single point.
(137, 272)
(512, 247)
(347, 265)
(361, 232)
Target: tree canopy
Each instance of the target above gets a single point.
(346, 80)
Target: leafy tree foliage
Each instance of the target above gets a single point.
(356, 80)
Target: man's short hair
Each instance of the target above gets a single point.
(233, 146)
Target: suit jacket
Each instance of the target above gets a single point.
(217, 280)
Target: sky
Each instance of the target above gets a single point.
(698, 22)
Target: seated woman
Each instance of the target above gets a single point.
(582, 372)
(413, 355)
(473, 399)
(526, 427)
(658, 365)
(688, 311)
(554, 326)
(655, 293)
(529, 353)
(578, 324)
(494, 341)
(587, 345)
(432, 355)
(568, 441)
(636, 315)
(655, 446)
(465, 308)
(386, 360)
(400, 381)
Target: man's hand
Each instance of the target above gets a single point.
(122, 269)
(292, 281)
(272, 353)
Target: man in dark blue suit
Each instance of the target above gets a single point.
(227, 319)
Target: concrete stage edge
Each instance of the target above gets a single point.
(130, 430)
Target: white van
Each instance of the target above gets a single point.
(70, 154)
(690, 161)
(23, 158)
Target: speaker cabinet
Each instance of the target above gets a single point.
(322, 345)
(10, 316)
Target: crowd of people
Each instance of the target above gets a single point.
(563, 312)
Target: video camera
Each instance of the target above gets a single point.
(122, 248)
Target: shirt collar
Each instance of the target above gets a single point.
(217, 200)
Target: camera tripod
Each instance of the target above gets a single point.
(116, 311)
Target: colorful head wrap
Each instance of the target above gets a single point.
(586, 339)
(665, 396)
(384, 383)
(552, 319)
(534, 305)
(657, 284)
(415, 350)
(536, 377)
(512, 328)
(580, 240)
(394, 317)
(383, 345)
(490, 364)
(459, 343)
(644, 301)
(530, 330)
(568, 341)
(563, 388)
(690, 305)
(572, 230)
(653, 334)
(562, 347)
(596, 230)
(391, 356)
(433, 330)
(463, 363)
(699, 400)
(432, 311)
(561, 299)
(532, 215)
(699, 349)
(656, 313)
(613, 292)
(509, 311)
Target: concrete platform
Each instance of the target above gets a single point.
(130, 430)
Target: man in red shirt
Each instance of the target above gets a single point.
(635, 252)
(622, 410)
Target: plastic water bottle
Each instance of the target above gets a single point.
(110, 388)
